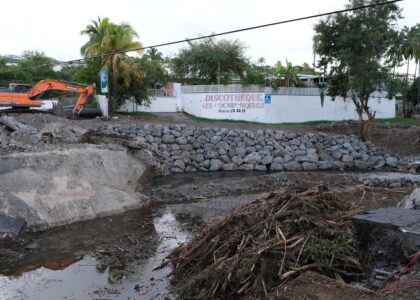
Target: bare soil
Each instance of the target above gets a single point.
(313, 286)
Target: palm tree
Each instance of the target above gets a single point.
(415, 35)
(411, 46)
(154, 54)
(110, 42)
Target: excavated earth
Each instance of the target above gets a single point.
(68, 184)
(61, 171)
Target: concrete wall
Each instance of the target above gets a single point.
(281, 109)
(103, 104)
(308, 108)
(157, 104)
(255, 104)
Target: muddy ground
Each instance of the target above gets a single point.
(114, 257)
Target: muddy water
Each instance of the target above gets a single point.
(108, 258)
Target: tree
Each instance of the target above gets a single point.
(210, 61)
(28, 70)
(111, 41)
(287, 74)
(356, 47)
(258, 73)
(152, 64)
(6, 74)
(413, 92)
(410, 46)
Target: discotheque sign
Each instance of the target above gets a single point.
(234, 103)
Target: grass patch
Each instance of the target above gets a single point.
(206, 120)
(139, 113)
(398, 120)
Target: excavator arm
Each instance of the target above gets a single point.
(53, 84)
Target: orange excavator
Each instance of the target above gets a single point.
(26, 96)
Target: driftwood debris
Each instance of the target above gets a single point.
(262, 244)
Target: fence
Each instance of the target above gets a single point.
(238, 88)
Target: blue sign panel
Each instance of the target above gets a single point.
(104, 80)
(267, 99)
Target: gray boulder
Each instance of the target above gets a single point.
(216, 165)
(230, 167)
(246, 167)
(268, 159)
(308, 166)
(253, 158)
(168, 139)
(391, 161)
(293, 166)
(276, 167)
(237, 160)
(179, 164)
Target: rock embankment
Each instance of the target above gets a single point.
(183, 148)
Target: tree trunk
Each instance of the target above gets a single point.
(408, 69)
(365, 126)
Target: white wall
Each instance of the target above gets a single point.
(254, 107)
(282, 109)
(103, 104)
(157, 104)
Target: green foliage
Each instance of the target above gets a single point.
(357, 47)
(87, 73)
(5, 75)
(26, 71)
(286, 75)
(397, 88)
(126, 81)
(210, 61)
(258, 73)
(152, 64)
(325, 250)
(411, 42)
(413, 92)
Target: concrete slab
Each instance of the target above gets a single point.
(387, 235)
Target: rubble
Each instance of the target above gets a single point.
(411, 201)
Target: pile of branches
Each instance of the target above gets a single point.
(262, 244)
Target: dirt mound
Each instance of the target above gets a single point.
(264, 243)
(394, 138)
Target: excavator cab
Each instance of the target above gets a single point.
(19, 88)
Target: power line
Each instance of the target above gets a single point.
(207, 36)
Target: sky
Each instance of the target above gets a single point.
(54, 26)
